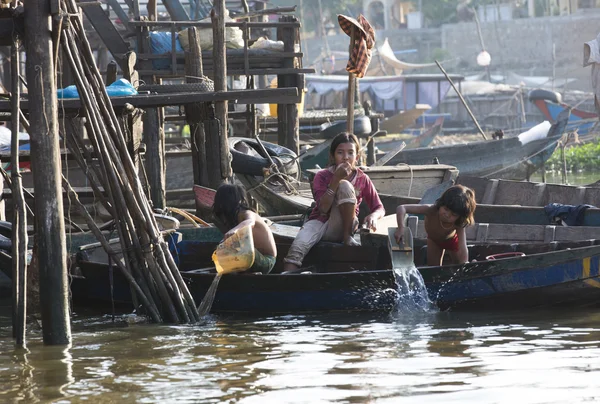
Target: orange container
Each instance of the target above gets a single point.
(236, 254)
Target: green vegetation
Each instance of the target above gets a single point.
(585, 157)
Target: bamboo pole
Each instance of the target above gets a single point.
(135, 222)
(462, 100)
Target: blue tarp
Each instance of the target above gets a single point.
(119, 88)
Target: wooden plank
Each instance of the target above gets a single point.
(232, 71)
(285, 95)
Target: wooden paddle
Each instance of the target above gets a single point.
(402, 254)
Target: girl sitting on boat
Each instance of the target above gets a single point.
(445, 223)
(232, 212)
(338, 191)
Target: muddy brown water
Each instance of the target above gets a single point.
(549, 356)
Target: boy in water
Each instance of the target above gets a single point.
(232, 212)
(445, 223)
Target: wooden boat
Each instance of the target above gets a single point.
(340, 278)
(273, 196)
(502, 232)
(504, 158)
(556, 274)
(524, 193)
(276, 199)
(404, 179)
(404, 119)
(581, 120)
(506, 214)
(498, 276)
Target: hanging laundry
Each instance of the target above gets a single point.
(363, 42)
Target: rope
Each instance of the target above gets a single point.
(283, 176)
(192, 218)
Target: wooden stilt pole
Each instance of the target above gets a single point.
(351, 88)
(45, 157)
(196, 113)
(216, 140)
(19, 236)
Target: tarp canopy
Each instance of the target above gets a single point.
(389, 93)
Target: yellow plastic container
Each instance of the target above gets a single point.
(273, 107)
(236, 254)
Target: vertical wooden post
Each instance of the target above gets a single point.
(132, 122)
(216, 139)
(374, 130)
(45, 160)
(261, 81)
(195, 113)
(154, 136)
(288, 122)
(19, 235)
(111, 72)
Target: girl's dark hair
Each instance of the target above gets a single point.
(461, 201)
(340, 138)
(227, 204)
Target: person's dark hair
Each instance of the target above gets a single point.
(229, 199)
(340, 138)
(461, 201)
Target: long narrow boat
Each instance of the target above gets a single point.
(581, 120)
(338, 278)
(504, 158)
(504, 214)
(512, 158)
(277, 198)
(498, 276)
(525, 193)
(559, 275)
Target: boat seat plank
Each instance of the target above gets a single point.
(592, 196)
(564, 194)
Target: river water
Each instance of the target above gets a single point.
(408, 356)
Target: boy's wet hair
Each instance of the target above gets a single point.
(229, 199)
(344, 137)
(461, 201)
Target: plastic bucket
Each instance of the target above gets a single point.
(236, 254)
(273, 107)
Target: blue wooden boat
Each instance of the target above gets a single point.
(498, 276)
(581, 120)
(559, 274)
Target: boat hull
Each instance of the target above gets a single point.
(560, 278)
(505, 158)
(249, 293)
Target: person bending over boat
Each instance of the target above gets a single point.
(232, 212)
(338, 191)
(445, 223)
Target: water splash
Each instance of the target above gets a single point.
(206, 304)
(412, 293)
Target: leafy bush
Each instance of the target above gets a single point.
(585, 157)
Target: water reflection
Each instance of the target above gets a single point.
(404, 357)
